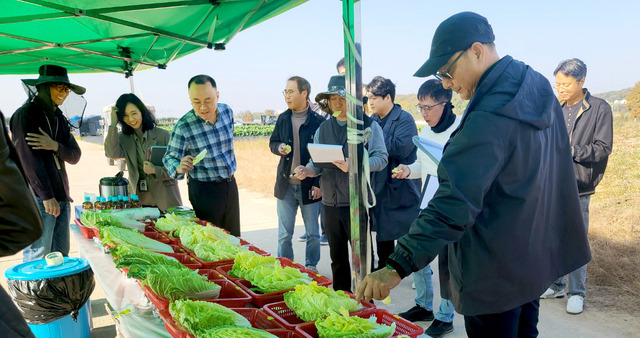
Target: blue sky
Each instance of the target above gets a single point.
(396, 37)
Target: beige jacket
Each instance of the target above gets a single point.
(162, 190)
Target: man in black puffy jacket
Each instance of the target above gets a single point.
(590, 125)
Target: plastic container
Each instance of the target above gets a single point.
(186, 260)
(157, 236)
(50, 297)
(135, 202)
(256, 317)
(403, 326)
(87, 205)
(125, 202)
(290, 320)
(86, 232)
(230, 296)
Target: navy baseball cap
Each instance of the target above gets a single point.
(456, 33)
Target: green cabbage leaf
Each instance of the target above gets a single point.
(312, 302)
(119, 236)
(191, 235)
(196, 315)
(341, 325)
(217, 251)
(234, 332)
(180, 283)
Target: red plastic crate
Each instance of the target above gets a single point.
(403, 326)
(224, 270)
(212, 274)
(174, 329)
(230, 296)
(284, 333)
(259, 319)
(289, 319)
(87, 232)
(157, 236)
(256, 317)
(186, 260)
(213, 265)
(178, 248)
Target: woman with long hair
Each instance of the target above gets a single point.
(139, 133)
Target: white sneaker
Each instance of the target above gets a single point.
(551, 293)
(575, 304)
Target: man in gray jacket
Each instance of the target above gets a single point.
(590, 126)
(507, 208)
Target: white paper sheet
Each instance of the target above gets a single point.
(325, 153)
(430, 188)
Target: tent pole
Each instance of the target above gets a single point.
(360, 237)
(133, 91)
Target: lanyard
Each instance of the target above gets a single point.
(55, 135)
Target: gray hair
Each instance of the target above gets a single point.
(572, 67)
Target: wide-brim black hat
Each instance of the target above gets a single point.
(53, 74)
(336, 86)
(454, 34)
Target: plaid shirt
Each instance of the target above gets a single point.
(191, 135)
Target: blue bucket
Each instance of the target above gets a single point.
(39, 270)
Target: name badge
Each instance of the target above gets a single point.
(143, 185)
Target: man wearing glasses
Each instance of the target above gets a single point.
(201, 146)
(506, 209)
(294, 129)
(590, 125)
(434, 104)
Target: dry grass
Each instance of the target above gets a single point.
(613, 276)
(256, 164)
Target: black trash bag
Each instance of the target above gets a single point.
(44, 300)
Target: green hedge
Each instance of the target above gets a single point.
(253, 130)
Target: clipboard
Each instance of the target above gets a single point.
(323, 154)
(432, 149)
(155, 154)
(428, 191)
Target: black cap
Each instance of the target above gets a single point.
(456, 33)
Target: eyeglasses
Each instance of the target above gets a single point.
(564, 85)
(427, 109)
(61, 87)
(446, 73)
(205, 103)
(289, 92)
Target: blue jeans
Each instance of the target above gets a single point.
(287, 210)
(424, 298)
(55, 234)
(578, 277)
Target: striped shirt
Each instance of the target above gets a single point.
(191, 135)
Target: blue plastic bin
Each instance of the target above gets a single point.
(64, 327)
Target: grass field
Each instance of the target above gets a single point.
(613, 276)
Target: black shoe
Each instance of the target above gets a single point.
(439, 328)
(416, 314)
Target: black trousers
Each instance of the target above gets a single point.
(385, 249)
(337, 227)
(519, 322)
(217, 202)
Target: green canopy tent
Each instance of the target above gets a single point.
(121, 36)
